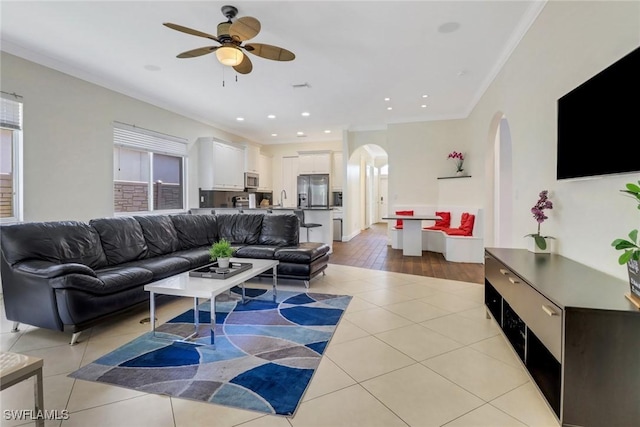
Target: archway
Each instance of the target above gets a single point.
(365, 192)
(500, 188)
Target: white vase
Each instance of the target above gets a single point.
(223, 262)
(532, 247)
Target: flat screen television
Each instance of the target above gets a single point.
(599, 123)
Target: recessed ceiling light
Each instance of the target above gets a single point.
(389, 108)
(151, 67)
(274, 134)
(424, 106)
(327, 131)
(425, 96)
(306, 114)
(461, 73)
(271, 116)
(387, 99)
(240, 119)
(299, 133)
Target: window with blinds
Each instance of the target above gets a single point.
(10, 159)
(148, 170)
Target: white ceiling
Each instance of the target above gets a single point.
(352, 54)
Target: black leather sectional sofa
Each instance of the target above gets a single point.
(71, 275)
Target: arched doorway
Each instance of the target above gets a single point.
(500, 176)
(365, 192)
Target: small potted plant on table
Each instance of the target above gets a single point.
(631, 248)
(221, 251)
(540, 241)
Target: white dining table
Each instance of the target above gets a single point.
(412, 232)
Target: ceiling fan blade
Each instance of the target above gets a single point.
(190, 31)
(245, 66)
(198, 52)
(270, 52)
(244, 28)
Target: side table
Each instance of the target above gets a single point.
(15, 368)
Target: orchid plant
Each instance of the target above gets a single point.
(459, 159)
(538, 214)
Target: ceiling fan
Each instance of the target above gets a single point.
(231, 36)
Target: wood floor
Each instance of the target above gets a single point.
(369, 250)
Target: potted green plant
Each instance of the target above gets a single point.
(630, 246)
(221, 251)
(540, 241)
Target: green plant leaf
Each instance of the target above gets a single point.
(540, 242)
(625, 257)
(634, 236)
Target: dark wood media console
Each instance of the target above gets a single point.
(574, 331)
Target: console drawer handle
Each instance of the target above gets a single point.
(549, 310)
(512, 280)
(504, 271)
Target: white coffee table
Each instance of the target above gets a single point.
(198, 287)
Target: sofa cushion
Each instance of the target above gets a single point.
(159, 233)
(162, 266)
(259, 251)
(445, 222)
(195, 230)
(197, 256)
(122, 239)
(59, 242)
(240, 228)
(304, 253)
(116, 279)
(280, 230)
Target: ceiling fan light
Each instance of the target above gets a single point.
(229, 56)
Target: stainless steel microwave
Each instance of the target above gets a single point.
(251, 180)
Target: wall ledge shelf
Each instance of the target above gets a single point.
(453, 177)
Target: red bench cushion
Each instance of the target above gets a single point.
(399, 223)
(466, 226)
(441, 224)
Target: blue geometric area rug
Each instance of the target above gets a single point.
(264, 357)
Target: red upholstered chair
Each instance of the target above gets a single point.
(441, 224)
(399, 223)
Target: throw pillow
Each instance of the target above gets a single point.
(445, 222)
(399, 222)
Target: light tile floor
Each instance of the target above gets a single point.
(409, 351)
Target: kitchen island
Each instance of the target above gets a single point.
(322, 216)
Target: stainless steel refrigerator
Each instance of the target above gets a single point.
(313, 191)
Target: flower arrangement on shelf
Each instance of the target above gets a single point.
(459, 159)
(538, 214)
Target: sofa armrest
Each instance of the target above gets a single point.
(49, 270)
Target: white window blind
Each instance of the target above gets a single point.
(10, 114)
(145, 140)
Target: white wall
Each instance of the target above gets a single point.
(68, 140)
(569, 43)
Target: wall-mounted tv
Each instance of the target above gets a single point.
(599, 123)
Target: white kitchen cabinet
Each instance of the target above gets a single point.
(314, 162)
(289, 183)
(336, 172)
(220, 165)
(252, 159)
(265, 173)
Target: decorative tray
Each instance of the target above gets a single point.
(212, 271)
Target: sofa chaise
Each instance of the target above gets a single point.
(71, 275)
